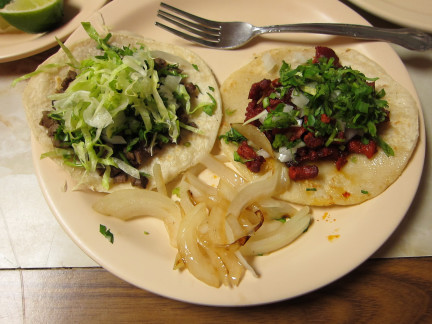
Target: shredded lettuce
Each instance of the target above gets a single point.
(119, 97)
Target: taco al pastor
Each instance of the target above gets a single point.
(338, 121)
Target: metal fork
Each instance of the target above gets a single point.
(231, 35)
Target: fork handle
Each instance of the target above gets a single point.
(407, 37)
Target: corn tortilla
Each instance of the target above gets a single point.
(361, 178)
(173, 159)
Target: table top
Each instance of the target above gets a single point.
(45, 277)
(379, 291)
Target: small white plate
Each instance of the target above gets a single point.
(340, 239)
(17, 45)
(413, 13)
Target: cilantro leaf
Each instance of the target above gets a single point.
(233, 136)
(385, 147)
(107, 233)
(238, 158)
(208, 107)
(278, 119)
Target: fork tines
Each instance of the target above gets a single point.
(200, 30)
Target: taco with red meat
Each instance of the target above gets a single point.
(340, 124)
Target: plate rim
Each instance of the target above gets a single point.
(78, 241)
(46, 41)
(383, 9)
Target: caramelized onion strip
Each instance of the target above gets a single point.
(255, 191)
(274, 240)
(253, 134)
(158, 178)
(131, 203)
(197, 262)
(222, 170)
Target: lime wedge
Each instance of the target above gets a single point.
(33, 16)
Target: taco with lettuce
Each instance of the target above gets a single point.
(110, 107)
(340, 124)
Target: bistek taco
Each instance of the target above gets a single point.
(337, 120)
(110, 108)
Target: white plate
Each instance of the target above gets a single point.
(413, 13)
(309, 263)
(14, 46)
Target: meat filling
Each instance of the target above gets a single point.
(315, 147)
(137, 154)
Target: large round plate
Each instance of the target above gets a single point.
(17, 45)
(340, 238)
(414, 13)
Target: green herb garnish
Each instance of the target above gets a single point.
(233, 136)
(176, 191)
(238, 158)
(341, 94)
(107, 233)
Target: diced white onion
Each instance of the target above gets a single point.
(351, 132)
(285, 154)
(287, 108)
(268, 62)
(299, 99)
(172, 82)
(263, 153)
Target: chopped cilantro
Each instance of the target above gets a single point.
(176, 191)
(208, 107)
(282, 219)
(107, 233)
(195, 67)
(385, 147)
(233, 136)
(238, 158)
(277, 118)
(281, 140)
(311, 189)
(365, 192)
(229, 112)
(343, 94)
